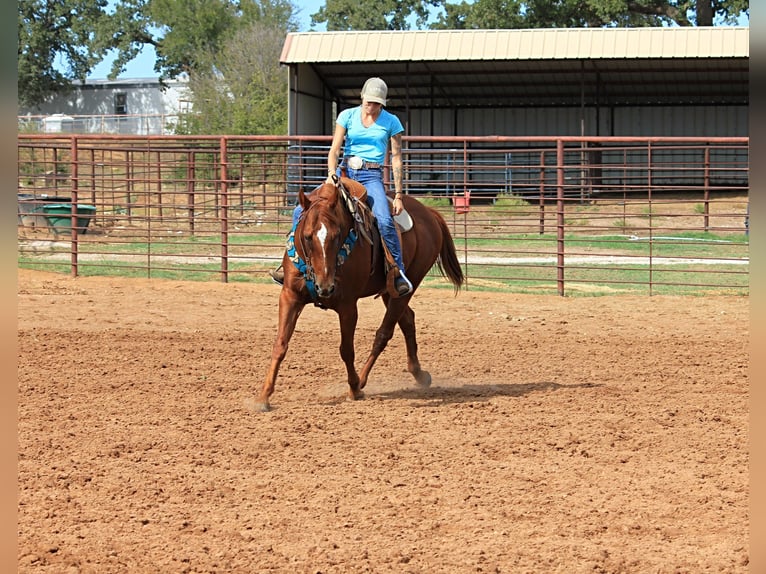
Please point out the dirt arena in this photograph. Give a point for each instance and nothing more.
(560, 435)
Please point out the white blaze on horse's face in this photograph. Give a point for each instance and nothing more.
(322, 237)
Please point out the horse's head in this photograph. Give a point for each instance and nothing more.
(324, 227)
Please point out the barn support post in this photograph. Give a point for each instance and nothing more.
(584, 179)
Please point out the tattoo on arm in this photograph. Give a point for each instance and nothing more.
(398, 178)
(396, 162)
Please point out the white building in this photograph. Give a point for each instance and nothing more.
(128, 106)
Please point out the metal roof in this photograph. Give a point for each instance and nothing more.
(532, 44)
(529, 68)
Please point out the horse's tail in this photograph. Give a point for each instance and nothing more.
(447, 262)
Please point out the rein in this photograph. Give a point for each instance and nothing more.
(304, 267)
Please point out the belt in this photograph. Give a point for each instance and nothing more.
(356, 162)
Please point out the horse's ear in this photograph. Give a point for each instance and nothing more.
(333, 197)
(303, 199)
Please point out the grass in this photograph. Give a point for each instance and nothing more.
(512, 203)
(581, 280)
(432, 201)
(683, 244)
(686, 244)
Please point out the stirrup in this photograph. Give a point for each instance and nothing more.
(402, 285)
(278, 275)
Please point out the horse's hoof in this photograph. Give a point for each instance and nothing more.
(423, 379)
(257, 406)
(356, 396)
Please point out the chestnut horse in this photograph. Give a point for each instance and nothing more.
(336, 267)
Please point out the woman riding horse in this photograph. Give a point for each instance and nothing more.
(329, 264)
(367, 130)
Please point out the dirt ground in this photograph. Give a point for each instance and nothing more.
(561, 435)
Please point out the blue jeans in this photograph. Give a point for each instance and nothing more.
(372, 180)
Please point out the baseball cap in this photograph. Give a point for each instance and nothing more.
(375, 90)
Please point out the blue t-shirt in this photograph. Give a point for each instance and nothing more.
(368, 143)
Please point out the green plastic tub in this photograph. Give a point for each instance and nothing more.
(59, 216)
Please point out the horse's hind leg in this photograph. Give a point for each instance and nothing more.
(406, 322)
(407, 325)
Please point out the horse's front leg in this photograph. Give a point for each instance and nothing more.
(348, 317)
(290, 308)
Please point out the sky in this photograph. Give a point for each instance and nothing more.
(142, 66)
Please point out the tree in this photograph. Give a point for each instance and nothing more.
(373, 14)
(243, 92)
(237, 84)
(77, 34)
(51, 32)
(509, 14)
(125, 31)
(190, 29)
(488, 14)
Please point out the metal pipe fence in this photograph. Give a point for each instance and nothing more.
(563, 215)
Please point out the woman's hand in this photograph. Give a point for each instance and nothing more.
(398, 204)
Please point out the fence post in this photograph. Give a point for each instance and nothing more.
(73, 205)
(224, 217)
(650, 182)
(190, 175)
(542, 192)
(560, 216)
(706, 190)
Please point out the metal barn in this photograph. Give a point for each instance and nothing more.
(547, 82)
(585, 83)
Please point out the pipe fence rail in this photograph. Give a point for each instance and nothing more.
(563, 215)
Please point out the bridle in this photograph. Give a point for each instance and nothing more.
(304, 266)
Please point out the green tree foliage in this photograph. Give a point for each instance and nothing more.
(243, 92)
(509, 14)
(51, 33)
(190, 29)
(123, 33)
(80, 33)
(373, 14)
